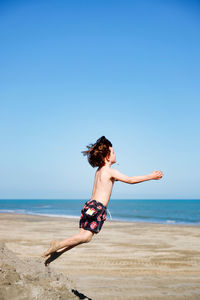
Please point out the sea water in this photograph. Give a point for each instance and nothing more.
(155, 211)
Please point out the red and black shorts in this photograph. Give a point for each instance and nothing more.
(93, 216)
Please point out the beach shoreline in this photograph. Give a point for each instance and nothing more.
(126, 260)
(108, 220)
(142, 211)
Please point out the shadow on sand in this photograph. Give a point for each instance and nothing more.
(80, 295)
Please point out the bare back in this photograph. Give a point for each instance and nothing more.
(103, 184)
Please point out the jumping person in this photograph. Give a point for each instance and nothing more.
(101, 155)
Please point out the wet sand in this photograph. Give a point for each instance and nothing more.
(124, 261)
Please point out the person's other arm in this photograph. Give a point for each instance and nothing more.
(155, 175)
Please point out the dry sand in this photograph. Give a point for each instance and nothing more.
(124, 261)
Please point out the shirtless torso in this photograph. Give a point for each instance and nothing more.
(103, 184)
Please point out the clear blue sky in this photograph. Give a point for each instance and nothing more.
(71, 71)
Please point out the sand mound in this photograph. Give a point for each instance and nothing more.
(23, 279)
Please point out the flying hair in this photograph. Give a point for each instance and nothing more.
(97, 152)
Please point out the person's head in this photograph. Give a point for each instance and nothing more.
(100, 153)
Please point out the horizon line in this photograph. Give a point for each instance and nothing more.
(110, 199)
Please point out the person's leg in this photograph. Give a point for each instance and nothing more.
(84, 236)
(56, 254)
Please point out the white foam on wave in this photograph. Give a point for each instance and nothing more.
(22, 212)
(13, 211)
(171, 221)
(7, 211)
(43, 206)
(53, 215)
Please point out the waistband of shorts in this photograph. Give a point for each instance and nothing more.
(97, 202)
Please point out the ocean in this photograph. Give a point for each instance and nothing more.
(154, 211)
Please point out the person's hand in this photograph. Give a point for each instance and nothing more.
(157, 175)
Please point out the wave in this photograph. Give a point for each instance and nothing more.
(44, 206)
(53, 215)
(171, 221)
(22, 212)
(14, 211)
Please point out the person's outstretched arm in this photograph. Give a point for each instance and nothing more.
(135, 179)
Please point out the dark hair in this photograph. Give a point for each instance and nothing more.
(97, 152)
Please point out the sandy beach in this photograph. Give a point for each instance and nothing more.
(124, 261)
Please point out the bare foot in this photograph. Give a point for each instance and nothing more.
(53, 247)
(52, 257)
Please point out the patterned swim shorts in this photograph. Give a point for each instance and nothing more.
(93, 216)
